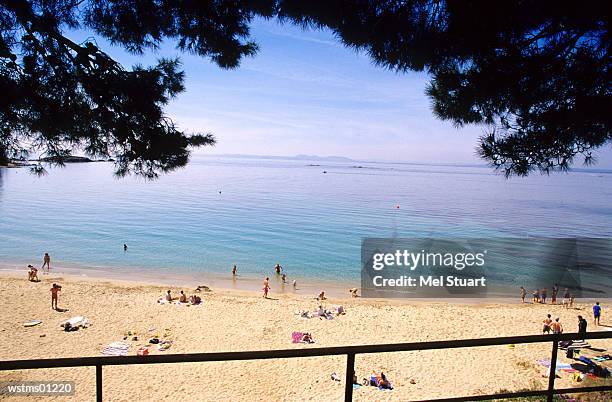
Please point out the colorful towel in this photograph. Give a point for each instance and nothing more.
(558, 365)
(296, 337)
(117, 349)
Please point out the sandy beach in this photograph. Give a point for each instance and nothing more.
(230, 320)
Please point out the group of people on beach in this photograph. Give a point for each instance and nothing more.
(539, 296)
(182, 298)
(279, 271)
(554, 326)
(33, 271)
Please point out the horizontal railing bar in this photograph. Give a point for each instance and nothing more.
(521, 394)
(290, 353)
(518, 394)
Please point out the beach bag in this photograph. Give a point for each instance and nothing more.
(142, 351)
(570, 353)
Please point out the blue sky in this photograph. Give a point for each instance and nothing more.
(304, 93)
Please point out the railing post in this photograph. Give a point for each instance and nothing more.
(98, 382)
(348, 381)
(553, 369)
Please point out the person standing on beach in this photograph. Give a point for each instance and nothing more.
(544, 292)
(234, 270)
(54, 295)
(266, 288)
(596, 312)
(555, 290)
(47, 262)
(546, 325)
(566, 298)
(556, 326)
(582, 326)
(523, 294)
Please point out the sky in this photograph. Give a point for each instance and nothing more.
(304, 93)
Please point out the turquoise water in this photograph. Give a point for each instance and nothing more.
(278, 211)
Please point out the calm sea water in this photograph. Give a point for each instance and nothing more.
(278, 211)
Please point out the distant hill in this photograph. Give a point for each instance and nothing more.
(331, 158)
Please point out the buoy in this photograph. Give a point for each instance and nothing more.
(397, 206)
(325, 171)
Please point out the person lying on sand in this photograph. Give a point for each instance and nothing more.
(33, 274)
(307, 338)
(383, 382)
(183, 297)
(353, 292)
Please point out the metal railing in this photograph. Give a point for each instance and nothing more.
(350, 351)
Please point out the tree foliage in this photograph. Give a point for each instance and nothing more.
(535, 73)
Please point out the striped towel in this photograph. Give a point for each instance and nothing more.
(117, 349)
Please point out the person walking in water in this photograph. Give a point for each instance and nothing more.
(266, 288)
(47, 262)
(523, 294)
(124, 247)
(234, 270)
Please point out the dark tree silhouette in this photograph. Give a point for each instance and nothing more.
(535, 73)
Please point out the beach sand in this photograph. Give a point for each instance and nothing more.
(238, 321)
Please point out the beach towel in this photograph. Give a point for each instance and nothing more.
(296, 337)
(558, 365)
(76, 322)
(586, 360)
(164, 345)
(117, 349)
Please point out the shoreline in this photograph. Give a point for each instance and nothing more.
(142, 276)
(248, 286)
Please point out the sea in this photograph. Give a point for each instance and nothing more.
(310, 216)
